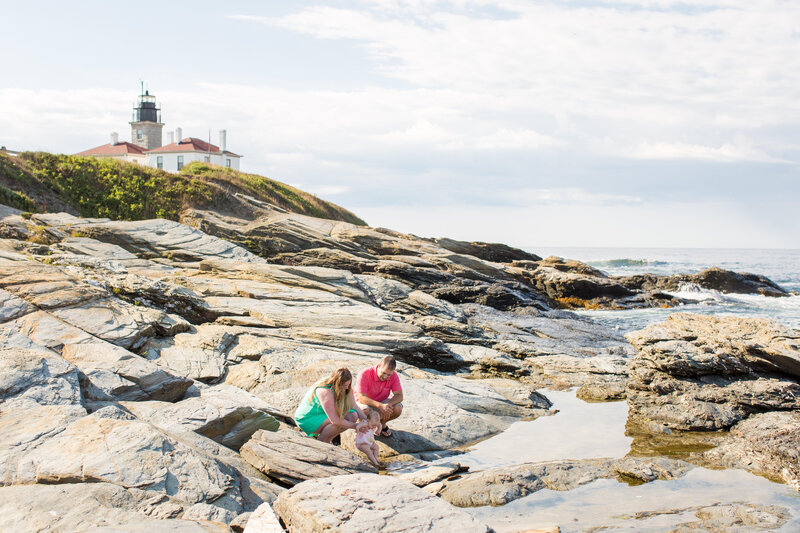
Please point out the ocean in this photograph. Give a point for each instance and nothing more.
(781, 266)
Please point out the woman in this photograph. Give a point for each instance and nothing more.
(329, 407)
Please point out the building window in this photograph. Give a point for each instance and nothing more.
(228, 162)
(138, 135)
(180, 162)
(160, 161)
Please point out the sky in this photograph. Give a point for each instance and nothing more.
(539, 124)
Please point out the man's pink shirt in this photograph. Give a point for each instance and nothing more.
(371, 386)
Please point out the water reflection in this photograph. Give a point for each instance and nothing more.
(579, 431)
(615, 505)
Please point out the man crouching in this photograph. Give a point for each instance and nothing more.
(378, 387)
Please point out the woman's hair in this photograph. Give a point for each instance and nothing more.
(336, 380)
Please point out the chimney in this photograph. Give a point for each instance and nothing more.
(170, 137)
(178, 135)
(114, 138)
(223, 140)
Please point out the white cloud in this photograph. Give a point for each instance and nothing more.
(477, 102)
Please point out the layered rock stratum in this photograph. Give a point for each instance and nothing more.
(149, 370)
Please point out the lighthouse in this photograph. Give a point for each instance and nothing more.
(146, 125)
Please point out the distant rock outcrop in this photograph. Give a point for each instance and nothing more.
(708, 373)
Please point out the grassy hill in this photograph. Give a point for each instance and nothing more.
(90, 187)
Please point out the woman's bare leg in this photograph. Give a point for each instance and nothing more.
(328, 431)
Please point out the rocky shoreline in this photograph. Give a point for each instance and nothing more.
(150, 368)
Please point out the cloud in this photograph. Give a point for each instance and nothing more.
(475, 103)
(728, 152)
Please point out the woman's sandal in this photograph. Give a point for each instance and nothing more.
(386, 432)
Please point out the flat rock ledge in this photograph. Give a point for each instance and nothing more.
(695, 372)
(368, 503)
(290, 458)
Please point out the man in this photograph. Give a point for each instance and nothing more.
(378, 387)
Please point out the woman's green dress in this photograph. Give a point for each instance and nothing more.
(310, 415)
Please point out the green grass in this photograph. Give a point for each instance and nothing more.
(119, 190)
(275, 192)
(16, 200)
(114, 189)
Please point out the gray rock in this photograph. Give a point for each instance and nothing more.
(87, 507)
(767, 444)
(125, 452)
(149, 238)
(112, 372)
(290, 457)
(728, 517)
(364, 502)
(263, 520)
(12, 307)
(498, 486)
(432, 473)
(38, 377)
(223, 413)
(708, 373)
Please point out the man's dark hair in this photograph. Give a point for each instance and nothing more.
(389, 362)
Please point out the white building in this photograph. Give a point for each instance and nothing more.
(123, 151)
(176, 155)
(145, 146)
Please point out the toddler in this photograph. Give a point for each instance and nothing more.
(365, 436)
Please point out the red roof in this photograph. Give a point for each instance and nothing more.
(115, 149)
(191, 144)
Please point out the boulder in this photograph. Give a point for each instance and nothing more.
(200, 353)
(364, 502)
(708, 373)
(111, 372)
(289, 457)
(226, 414)
(263, 520)
(111, 446)
(767, 444)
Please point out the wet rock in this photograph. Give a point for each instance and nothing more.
(716, 279)
(708, 373)
(498, 486)
(289, 457)
(726, 517)
(603, 390)
(767, 444)
(430, 474)
(646, 469)
(363, 502)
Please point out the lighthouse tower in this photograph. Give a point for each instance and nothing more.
(146, 125)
